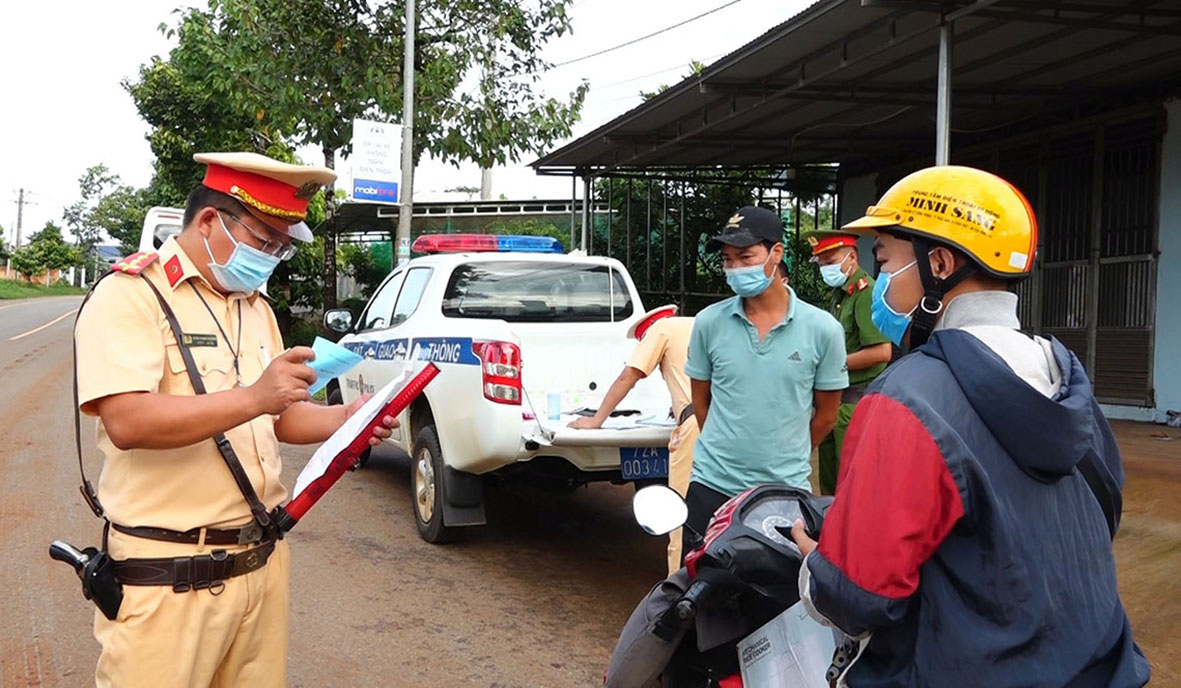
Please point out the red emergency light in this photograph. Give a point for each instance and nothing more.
(485, 243)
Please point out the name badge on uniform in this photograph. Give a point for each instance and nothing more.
(191, 340)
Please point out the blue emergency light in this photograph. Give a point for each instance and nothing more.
(486, 243)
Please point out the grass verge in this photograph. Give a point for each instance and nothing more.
(14, 289)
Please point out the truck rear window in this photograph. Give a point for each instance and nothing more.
(537, 292)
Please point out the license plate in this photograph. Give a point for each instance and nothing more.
(643, 463)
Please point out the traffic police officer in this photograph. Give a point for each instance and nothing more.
(663, 343)
(215, 611)
(868, 350)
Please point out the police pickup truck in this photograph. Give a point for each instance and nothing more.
(526, 337)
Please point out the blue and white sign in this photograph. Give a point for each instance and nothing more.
(375, 165)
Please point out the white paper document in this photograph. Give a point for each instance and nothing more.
(790, 651)
(352, 427)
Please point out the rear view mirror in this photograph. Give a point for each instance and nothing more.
(659, 509)
(339, 320)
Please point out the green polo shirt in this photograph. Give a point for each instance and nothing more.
(758, 426)
(852, 305)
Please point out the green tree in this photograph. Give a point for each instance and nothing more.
(46, 250)
(121, 214)
(304, 69)
(106, 204)
(5, 250)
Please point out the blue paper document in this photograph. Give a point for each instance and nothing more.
(332, 360)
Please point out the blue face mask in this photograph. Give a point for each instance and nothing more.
(889, 321)
(833, 275)
(247, 268)
(749, 281)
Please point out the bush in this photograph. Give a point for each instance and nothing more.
(303, 332)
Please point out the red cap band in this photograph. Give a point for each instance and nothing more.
(264, 194)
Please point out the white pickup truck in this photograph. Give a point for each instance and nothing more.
(525, 337)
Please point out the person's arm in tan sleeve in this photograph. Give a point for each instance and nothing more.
(148, 420)
(120, 365)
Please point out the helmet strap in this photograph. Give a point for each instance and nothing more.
(930, 307)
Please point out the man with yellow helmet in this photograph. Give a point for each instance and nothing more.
(970, 538)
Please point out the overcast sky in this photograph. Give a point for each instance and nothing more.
(63, 108)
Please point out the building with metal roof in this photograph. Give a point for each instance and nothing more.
(1074, 101)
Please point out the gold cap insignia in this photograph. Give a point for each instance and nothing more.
(734, 221)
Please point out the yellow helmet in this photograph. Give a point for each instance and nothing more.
(975, 211)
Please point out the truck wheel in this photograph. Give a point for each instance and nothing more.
(426, 487)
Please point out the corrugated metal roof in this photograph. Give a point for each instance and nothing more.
(853, 82)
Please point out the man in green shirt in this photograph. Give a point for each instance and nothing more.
(868, 350)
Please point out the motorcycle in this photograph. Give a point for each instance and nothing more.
(739, 576)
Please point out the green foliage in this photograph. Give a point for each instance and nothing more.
(91, 186)
(304, 69)
(531, 227)
(367, 264)
(654, 254)
(121, 213)
(188, 117)
(268, 75)
(5, 249)
(301, 332)
(46, 250)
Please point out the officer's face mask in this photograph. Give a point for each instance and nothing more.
(834, 275)
(247, 268)
(749, 281)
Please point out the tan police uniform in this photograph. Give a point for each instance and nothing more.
(665, 344)
(125, 345)
(234, 632)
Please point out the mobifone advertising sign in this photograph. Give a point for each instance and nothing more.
(375, 164)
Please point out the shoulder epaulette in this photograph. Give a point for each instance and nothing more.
(862, 284)
(135, 263)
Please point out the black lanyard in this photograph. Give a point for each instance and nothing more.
(233, 350)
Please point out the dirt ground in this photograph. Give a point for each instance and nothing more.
(1148, 545)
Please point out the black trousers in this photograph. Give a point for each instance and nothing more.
(702, 502)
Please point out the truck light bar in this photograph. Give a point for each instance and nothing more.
(485, 243)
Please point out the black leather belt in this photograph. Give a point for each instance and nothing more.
(853, 393)
(192, 573)
(246, 535)
(686, 413)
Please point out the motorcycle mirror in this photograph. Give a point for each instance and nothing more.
(659, 509)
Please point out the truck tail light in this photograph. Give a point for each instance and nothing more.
(500, 364)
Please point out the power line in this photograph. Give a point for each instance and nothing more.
(644, 38)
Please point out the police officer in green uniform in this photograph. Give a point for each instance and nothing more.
(867, 350)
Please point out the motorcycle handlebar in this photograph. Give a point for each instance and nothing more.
(691, 600)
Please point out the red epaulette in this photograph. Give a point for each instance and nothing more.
(135, 263)
(862, 284)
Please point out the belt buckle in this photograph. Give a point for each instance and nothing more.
(250, 534)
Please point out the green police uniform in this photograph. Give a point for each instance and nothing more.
(851, 305)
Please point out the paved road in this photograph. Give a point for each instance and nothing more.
(535, 599)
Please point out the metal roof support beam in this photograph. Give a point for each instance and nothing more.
(586, 211)
(943, 97)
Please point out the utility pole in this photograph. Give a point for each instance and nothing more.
(406, 192)
(20, 214)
